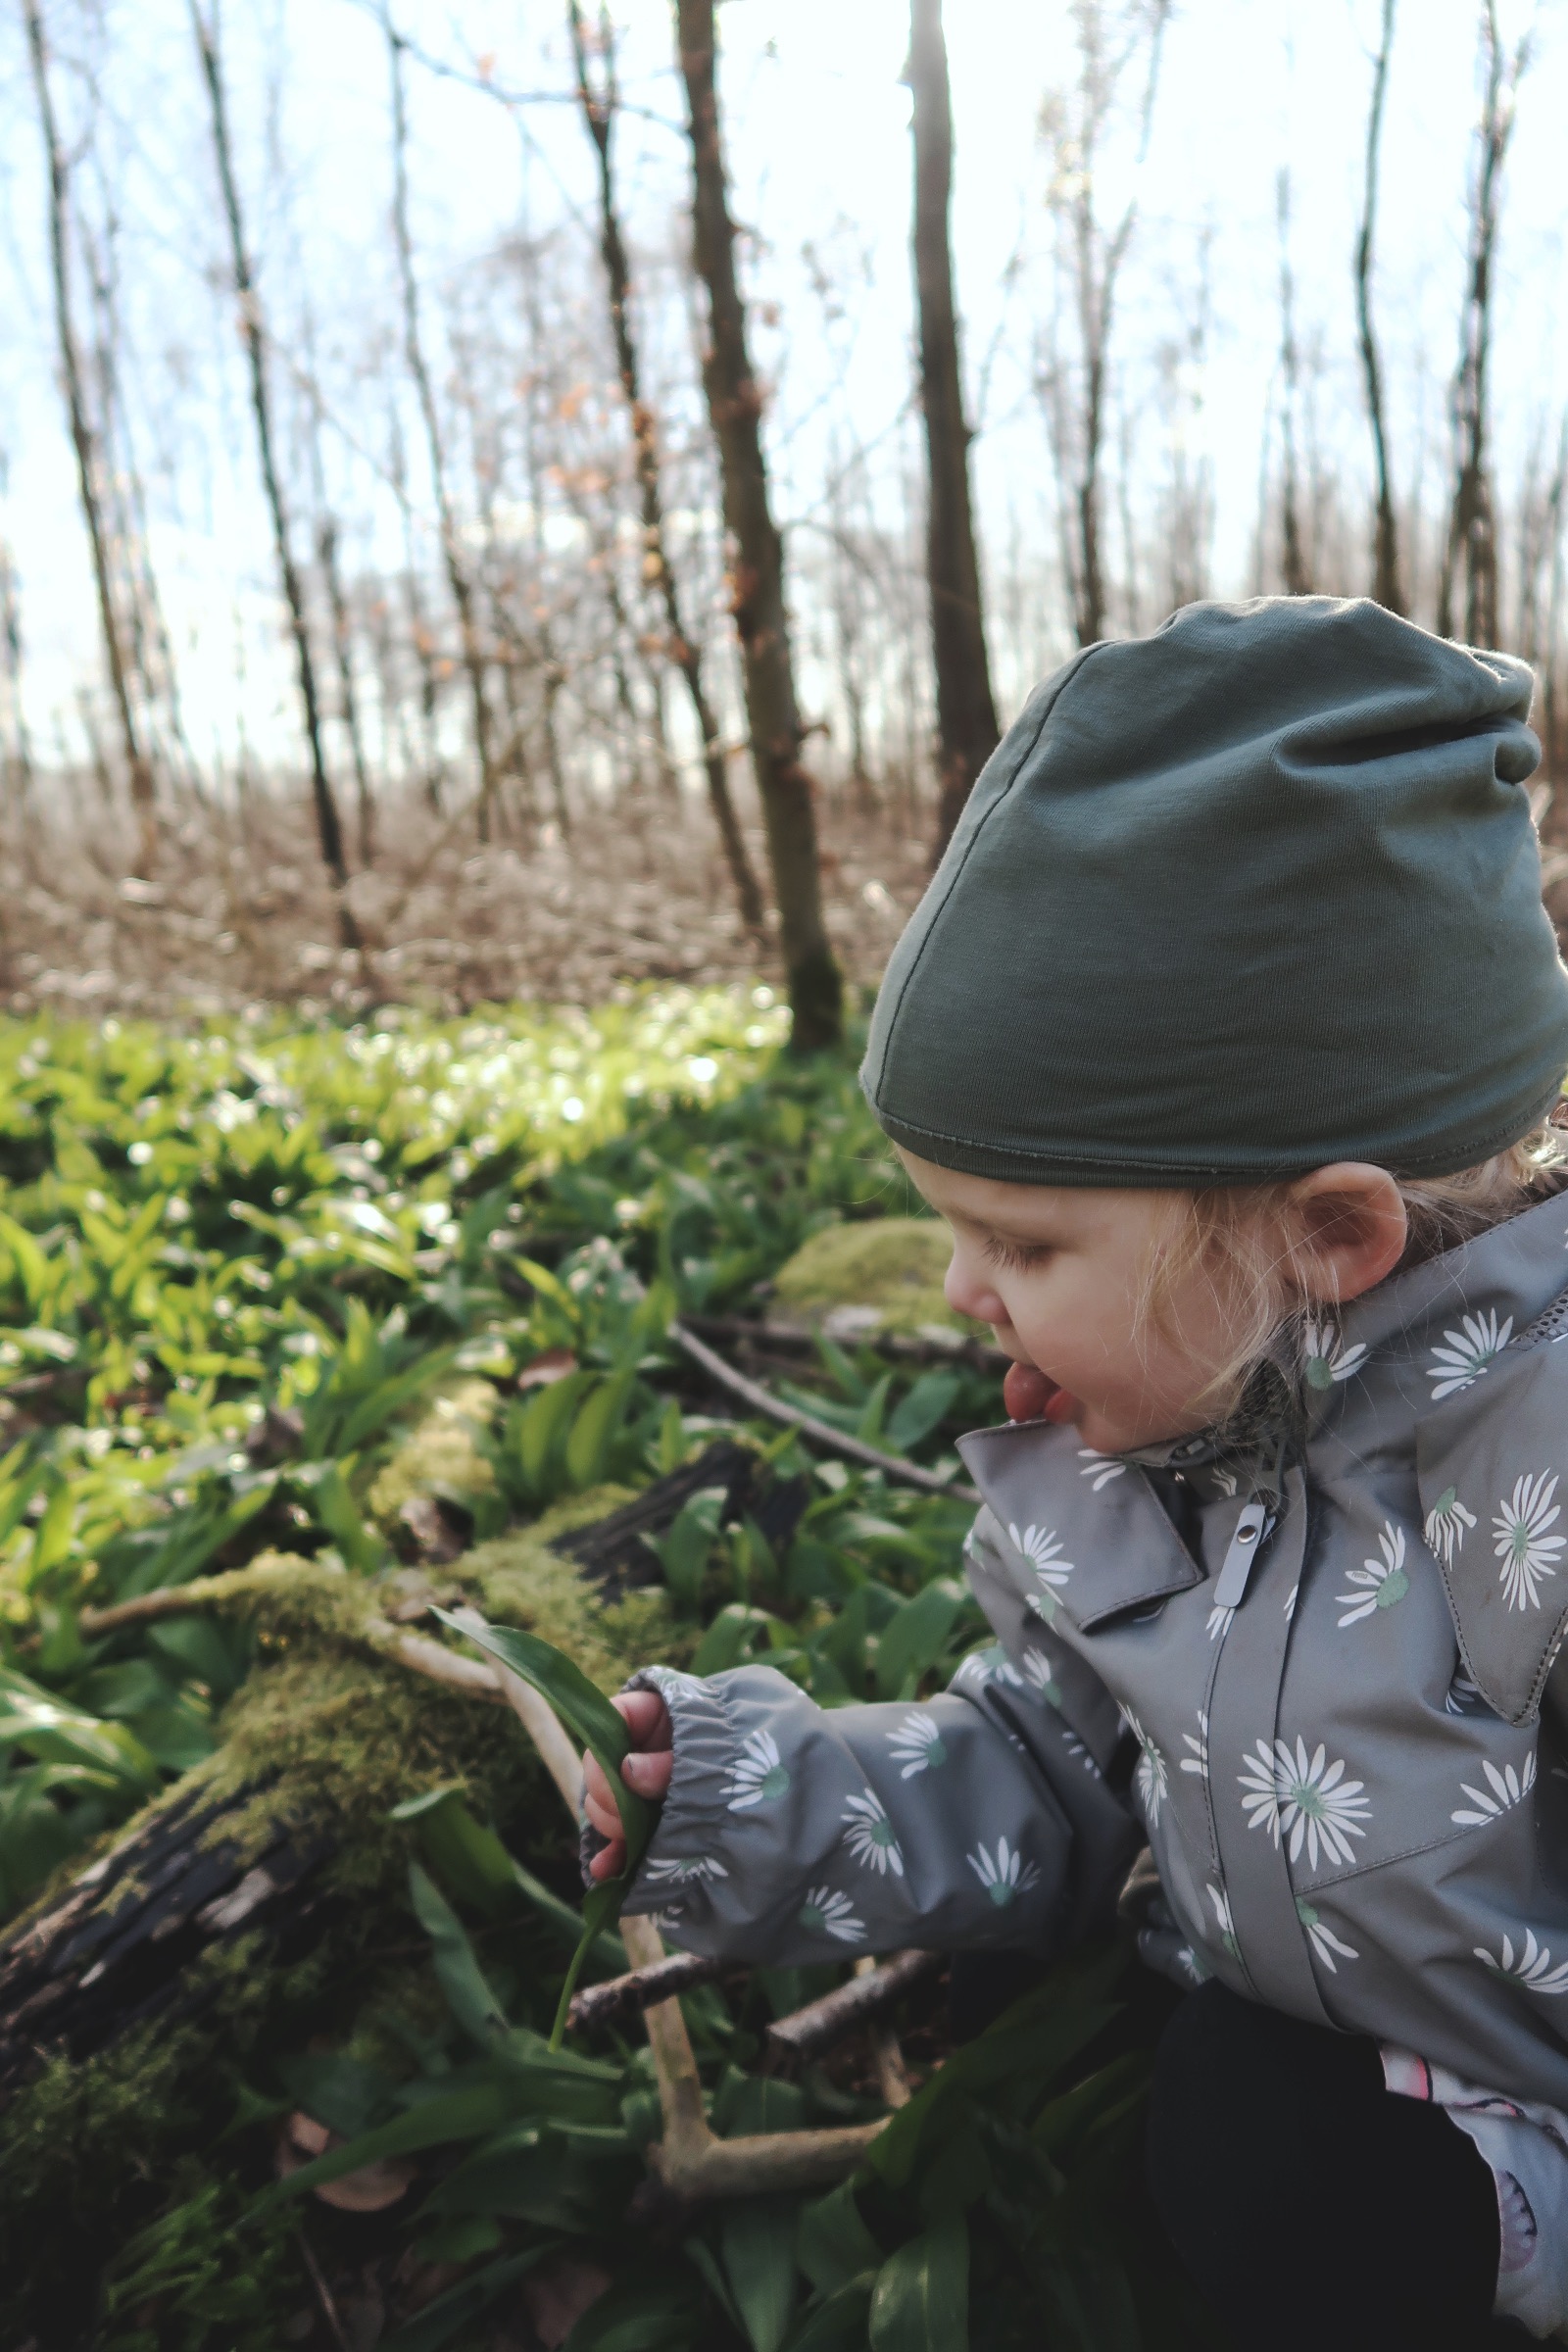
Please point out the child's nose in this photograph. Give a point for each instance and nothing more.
(967, 1292)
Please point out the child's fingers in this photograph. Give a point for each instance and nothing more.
(610, 1861)
(647, 1718)
(602, 1815)
(648, 1775)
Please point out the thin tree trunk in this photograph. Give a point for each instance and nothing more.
(1297, 573)
(348, 697)
(966, 713)
(138, 768)
(19, 749)
(734, 407)
(457, 579)
(1472, 531)
(1385, 583)
(329, 831)
(683, 649)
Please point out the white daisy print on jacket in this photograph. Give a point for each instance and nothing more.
(1219, 1622)
(1446, 1524)
(759, 1775)
(917, 1745)
(1042, 1549)
(1326, 1360)
(1004, 1874)
(1533, 1967)
(678, 1869)
(1099, 1468)
(1227, 1925)
(1040, 1676)
(1149, 1779)
(1381, 1583)
(871, 1838)
(1322, 1939)
(1306, 1799)
(1470, 1353)
(826, 1913)
(1508, 1788)
(1529, 1554)
(1198, 1761)
(1462, 1694)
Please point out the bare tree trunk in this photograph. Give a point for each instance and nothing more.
(19, 765)
(1386, 584)
(966, 713)
(457, 579)
(348, 697)
(734, 407)
(329, 831)
(1298, 571)
(1472, 531)
(137, 765)
(1097, 262)
(683, 649)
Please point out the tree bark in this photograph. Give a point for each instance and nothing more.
(1472, 530)
(457, 579)
(83, 442)
(329, 830)
(966, 713)
(735, 408)
(1387, 587)
(681, 647)
(348, 697)
(1298, 571)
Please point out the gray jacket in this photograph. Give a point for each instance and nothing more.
(1335, 1721)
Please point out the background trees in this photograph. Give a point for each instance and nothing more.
(423, 464)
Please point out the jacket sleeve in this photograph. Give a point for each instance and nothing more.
(793, 1833)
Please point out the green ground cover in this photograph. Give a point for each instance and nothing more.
(262, 1291)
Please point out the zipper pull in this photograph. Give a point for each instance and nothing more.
(1251, 1533)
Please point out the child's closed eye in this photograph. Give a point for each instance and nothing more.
(1016, 1257)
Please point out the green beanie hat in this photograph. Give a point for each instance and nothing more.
(1256, 893)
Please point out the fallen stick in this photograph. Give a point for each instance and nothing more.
(807, 2033)
(624, 1996)
(833, 1440)
(792, 1339)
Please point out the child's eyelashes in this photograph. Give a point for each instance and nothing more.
(1016, 1257)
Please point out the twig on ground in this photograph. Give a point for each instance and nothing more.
(832, 1441)
(808, 2033)
(906, 1347)
(623, 1997)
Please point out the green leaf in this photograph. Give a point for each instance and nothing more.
(920, 2302)
(914, 1639)
(590, 1719)
(464, 2114)
(833, 2244)
(839, 2324)
(440, 2320)
(540, 1428)
(461, 1978)
(923, 1409)
(757, 2238)
(684, 1552)
(638, 2318)
(593, 1433)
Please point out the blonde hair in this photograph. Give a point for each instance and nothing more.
(1236, 1236)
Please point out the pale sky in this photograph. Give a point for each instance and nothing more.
(818, 147)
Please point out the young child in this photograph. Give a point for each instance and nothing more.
(1224, 1040)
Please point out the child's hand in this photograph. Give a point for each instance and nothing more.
(646, 1773)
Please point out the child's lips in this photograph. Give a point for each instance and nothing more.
(1029, 1394)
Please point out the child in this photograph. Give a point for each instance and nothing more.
(1224, 1040)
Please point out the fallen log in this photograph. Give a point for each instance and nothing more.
(619, 1998)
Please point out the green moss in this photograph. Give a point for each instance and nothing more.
(439, 1456)
(517, 1579)
(892, 1268)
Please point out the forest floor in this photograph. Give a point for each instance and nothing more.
(238, 910)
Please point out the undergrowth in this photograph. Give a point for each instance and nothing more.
(267, 1295)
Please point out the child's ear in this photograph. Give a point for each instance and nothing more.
(1347, 1229)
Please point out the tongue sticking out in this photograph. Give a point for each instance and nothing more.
(1030, 1397)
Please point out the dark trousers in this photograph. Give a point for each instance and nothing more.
(1314, 2208)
